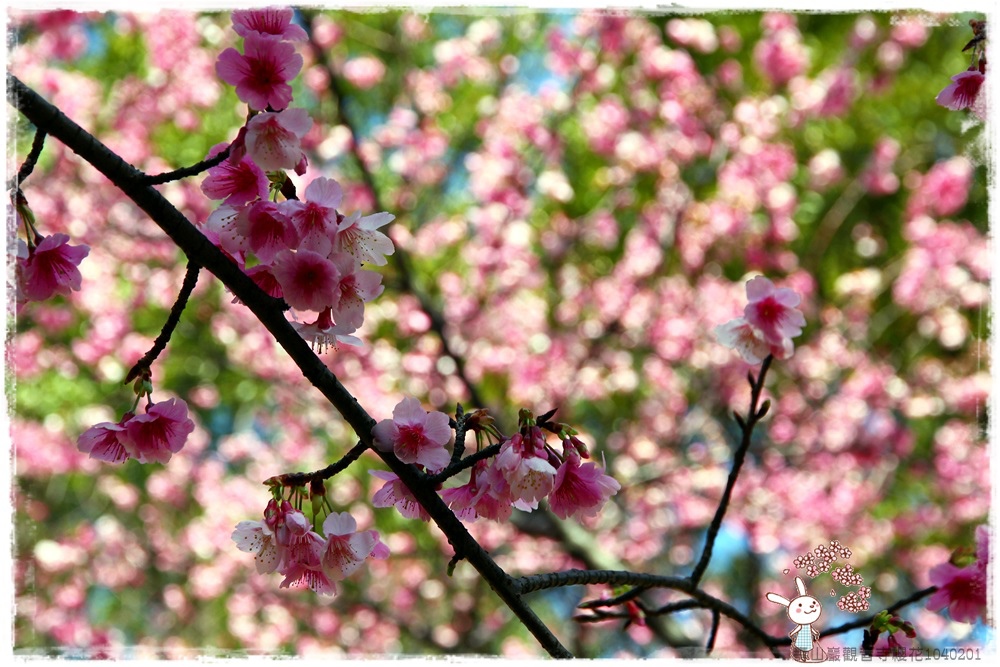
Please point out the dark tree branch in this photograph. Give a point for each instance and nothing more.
(190, 280)
(713, 632)
(269, 311)
(304, 478)
(29, 162)
(753, 416)
(184, 172)
(867, 620)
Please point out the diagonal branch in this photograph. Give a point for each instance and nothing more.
(269, 311)
(29, 162)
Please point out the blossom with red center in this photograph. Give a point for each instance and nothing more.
(315, 217)
(580, 490)
(267, 230)
(262, 73)
(394, 492)
(415, 435)
(274, 140)
(961, 589)
(359, 237)
(159, 433)
(104, 441)
(772, 311)
(746, 339)
(302, 563)
(275, 21)
(345, 548)
(236, 183)
(50, 268)
(963, 91)
(357, 286)
(308, 280)
(263, 277)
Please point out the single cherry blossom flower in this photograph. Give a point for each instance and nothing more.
(961, 589)
(325, 333)
(359, 237)
(268, 21)
(772, 311)
(309, 281)
(235, 183)
(267, 230)
(302, 565)
(415, 435)
(50, 268)
(316, 216)
(159, 433)
(525, 465)
(261, 75)
(104, 441)
(260, 538)
(274, 140)
(220, 229)
(743, 337)
(963, 91)
(580, 490)
(357, 287)
(394, 492)
(263, 276)
(345, 548)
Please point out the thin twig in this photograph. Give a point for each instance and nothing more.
(190, 280)
(866, 621)
(304, 478)
(184, 172)
(29, 162)
(753, 416)
(465, 463)
(710, 644)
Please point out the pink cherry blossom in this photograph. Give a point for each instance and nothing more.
(267, 230)
(346, 549)
(364, 72)
(263, 276)
(525, 465)
(357, 286)
(961, 589)
(104, 441)
(580, 490)
(50, 268)
(394, 492)
(415, 435)
(309, 281)
(963, 91)
(740, 335)
(772, 311)
(261, 75)
(316, 217)
(358, 237)
(325, 333)
(159, 433)
(261, 537)
(237, 184)
(267, 21)
(274, 140)
(302, 565)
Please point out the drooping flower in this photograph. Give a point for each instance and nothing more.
(236, 183)
(415, 435)
(963, 91)
(395, 493)
(302, 564)
(309, 281)
(357, 287)
(315, 217)
(275, 21)
(346, 549)
(260, 537)
(580, 490)
(325, 333)
(158, 434)
(104, 441)
(274, 140)
(262, 73)
(267, 230)
(50, 268)
(525, 465)
(358, 236)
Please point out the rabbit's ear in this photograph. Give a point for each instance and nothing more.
(774, 597)
(800, 585)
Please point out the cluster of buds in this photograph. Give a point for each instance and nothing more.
(151, 437)
(894, 627)
(526, 469)
(306, 252)
(286, 542)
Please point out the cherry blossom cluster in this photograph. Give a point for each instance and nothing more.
(855, 601)
(770, 321)
(285, 542)
(964, 90)
(151, 437)
(44, 265)
(306, 252)
(963, 589)
(525, 470)
(847, 576)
